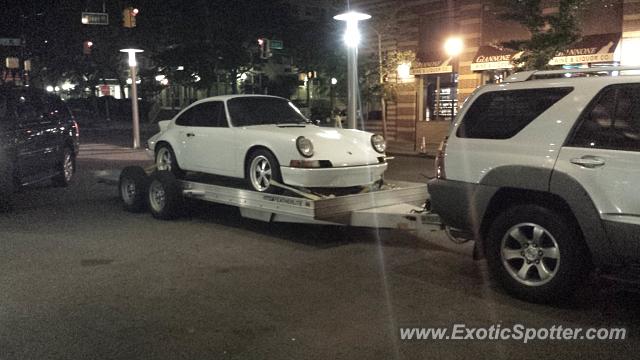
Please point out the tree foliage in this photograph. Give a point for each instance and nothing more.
(550, 33)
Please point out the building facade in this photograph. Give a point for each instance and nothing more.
(430, 93)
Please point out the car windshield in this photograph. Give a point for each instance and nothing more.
(260, 110)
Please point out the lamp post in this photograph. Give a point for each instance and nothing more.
(453, 47)
(134, 95)
(351, 39)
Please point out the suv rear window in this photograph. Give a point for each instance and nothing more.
(503, 114)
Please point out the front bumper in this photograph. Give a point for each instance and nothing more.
(333, 177)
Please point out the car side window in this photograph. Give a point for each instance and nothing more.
(186, 118)
(56, 109)
(210, 114)
(29, 109)
(612, 121)
(503, 114)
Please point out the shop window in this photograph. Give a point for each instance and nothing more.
(440, 97)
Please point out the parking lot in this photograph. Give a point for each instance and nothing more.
(82, 279)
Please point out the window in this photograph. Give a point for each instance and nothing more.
(262, 110)
(29, 107)
(208, 114)
(503, 114)
(56, 109)
(612, 121)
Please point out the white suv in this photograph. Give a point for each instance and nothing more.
(543, 171)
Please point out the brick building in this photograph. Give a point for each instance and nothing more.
(430, 92)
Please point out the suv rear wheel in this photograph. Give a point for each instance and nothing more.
(536, 254)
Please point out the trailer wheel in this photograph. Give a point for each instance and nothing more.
(165, 196)
(133, 187)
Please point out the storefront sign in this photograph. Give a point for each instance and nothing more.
(431, 67)
(491, 58)
(431, 70)
(589, 49)
(581, 59)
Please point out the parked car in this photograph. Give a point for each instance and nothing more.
(543, 172)
(38, 140)
(262, 138)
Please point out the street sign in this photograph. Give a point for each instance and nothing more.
(91, 18)
(276, 44)
(10, 42)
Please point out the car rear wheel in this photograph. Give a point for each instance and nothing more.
(263, 167)
(66, 169)
(537, 254)
(166, 161)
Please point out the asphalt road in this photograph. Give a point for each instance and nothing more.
(82, 279)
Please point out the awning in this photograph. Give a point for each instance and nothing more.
(431, 67)
(589, 49)
(491, 57)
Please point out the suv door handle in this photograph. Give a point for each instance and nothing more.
(191, 134)
(590, 162)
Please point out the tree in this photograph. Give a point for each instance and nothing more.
(385, 24)
(550, 33)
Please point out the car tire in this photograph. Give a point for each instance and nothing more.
(133, 187)
(166, 161)
(262, 166)
(66, 169)
(164, 196)
(537, 254)
(7, 187)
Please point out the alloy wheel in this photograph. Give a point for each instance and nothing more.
(260, 173)
(530, 254)
(164, 159)
(68, 167)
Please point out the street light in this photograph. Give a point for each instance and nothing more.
(134, 95)
(351, 39)
(453, 47)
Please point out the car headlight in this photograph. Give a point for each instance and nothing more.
(305, 146)
(378, 143)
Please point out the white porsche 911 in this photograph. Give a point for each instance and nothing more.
(262, 138)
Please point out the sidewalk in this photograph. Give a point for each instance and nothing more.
(406, 148)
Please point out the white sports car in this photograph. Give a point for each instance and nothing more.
(262, 138)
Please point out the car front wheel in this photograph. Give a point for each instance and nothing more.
(263, 167)
(537, 254)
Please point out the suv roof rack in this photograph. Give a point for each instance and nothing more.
(533, 74)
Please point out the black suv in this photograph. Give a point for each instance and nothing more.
(38, 140)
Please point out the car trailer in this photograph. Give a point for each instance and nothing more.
(396, 205)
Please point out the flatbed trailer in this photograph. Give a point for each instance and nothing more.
(396, 205)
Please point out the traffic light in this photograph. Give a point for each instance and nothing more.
(129, 17)
(86, 47)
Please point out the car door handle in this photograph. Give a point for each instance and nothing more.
(191, 134)
(588, 161)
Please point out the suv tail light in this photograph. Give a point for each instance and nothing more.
(440, 173)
